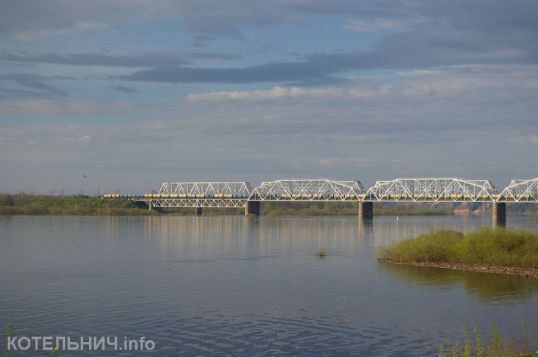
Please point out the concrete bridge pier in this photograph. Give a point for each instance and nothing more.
(253, 208)
(198, 211)
(151, 207)
(366, 210)
(499, 214)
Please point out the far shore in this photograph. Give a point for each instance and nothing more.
(83, 205)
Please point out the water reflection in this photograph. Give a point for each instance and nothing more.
(243, 236)
(485, 286)
(365, 227)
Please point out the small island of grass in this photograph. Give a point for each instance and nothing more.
(507, 251)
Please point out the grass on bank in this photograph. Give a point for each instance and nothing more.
(487, 247)
(494, 345)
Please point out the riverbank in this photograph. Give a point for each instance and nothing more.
(23, 204)
(526, 272)
(503, 251)
(30, 204)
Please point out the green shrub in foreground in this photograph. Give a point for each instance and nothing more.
(487, 246)
(493, 345)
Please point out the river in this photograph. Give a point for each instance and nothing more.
(247, 286)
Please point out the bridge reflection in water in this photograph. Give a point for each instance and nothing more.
(411, 190)
(272, 237)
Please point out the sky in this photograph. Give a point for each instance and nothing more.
(120, 95)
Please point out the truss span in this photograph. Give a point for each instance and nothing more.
(198, 202)
(308, 190)
(521, 191)
(432, 190)
(208, 190)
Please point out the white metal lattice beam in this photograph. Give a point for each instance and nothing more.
(432, 190)
(308, 190)
(521, 191)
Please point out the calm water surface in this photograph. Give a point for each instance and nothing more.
(244, 286)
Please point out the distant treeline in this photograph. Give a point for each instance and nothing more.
(32, 204)
(24, 204)
(348, 209)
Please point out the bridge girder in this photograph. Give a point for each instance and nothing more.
(520, 191)
(432, 190)
(308, 190)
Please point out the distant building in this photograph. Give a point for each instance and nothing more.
(462, 210)
(479, 211)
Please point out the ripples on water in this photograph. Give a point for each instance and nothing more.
(246, 286)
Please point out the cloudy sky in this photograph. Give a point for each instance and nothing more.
(131, 93)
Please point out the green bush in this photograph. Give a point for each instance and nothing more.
(487, 246)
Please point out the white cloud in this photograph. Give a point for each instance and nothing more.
(67, 108)
(84, 139)
(345, 161)
(63, 140)
(29, 34)
(359, 25)
(458, 84)
(292, 92)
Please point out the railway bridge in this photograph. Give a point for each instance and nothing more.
(420, 190)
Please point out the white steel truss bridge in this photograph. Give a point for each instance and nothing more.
(241, 194)
(432, 190)
(308, 190)
(236, 194)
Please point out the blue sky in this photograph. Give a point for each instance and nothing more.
(132, 93)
